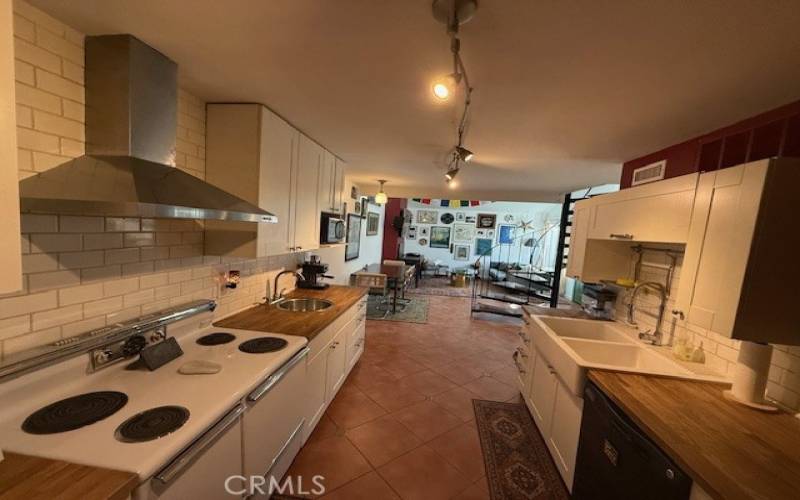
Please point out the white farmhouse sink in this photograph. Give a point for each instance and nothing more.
(572, 346)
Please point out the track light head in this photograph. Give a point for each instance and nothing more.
(464, 154)
(451, 174)
(446, 86)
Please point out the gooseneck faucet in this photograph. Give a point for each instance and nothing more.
(277, 297)
(656, 338)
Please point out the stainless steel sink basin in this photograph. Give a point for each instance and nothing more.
(305, 305)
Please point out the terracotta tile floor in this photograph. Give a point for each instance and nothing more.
(402, 425)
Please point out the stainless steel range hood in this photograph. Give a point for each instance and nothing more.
(131, 119)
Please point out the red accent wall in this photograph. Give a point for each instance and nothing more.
(774, 133)
(391, 240)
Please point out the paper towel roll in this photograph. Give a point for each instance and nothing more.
(751, 372)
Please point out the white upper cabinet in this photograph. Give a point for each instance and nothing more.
(256, 155)
(741, 268)
(656, 212)
(338, 187)
(306, 200)
(10, 255)
(331, 183)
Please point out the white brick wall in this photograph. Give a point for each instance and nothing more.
(721, 352)
(82, 273)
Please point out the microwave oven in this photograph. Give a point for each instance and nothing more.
(331, 228)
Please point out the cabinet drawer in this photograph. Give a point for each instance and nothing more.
(323, 338)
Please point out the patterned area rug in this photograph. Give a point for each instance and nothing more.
(439, 285)
(518, 465)
(415, 311)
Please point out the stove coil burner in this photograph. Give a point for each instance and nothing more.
(152, 424)
(217, 338)
(75, 412)
(262, 345)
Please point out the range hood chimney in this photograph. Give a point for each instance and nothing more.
(128, 169)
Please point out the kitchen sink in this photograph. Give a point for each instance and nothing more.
(624, 357)
(305, 305)
(592, 330)
(570, 347)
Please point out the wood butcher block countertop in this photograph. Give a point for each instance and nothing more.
(307, 324)
(731, 451)
(34, 478)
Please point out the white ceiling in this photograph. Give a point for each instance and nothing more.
(564, 91)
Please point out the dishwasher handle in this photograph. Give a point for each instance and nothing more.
(171, 471)
(273, 379)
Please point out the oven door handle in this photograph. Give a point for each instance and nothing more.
(168, 473)
(273, 379)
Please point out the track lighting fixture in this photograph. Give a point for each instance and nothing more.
(380, 197)
(451, 173)
(463, 153)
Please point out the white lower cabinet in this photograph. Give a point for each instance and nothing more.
(557, 414)
(316, 369)
(337, 362)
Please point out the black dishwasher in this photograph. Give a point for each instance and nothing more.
(617, 461)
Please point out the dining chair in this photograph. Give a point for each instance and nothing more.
(403, 280)
(378, 285)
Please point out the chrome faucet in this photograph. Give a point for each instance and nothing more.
(655, 338)
(277, 297)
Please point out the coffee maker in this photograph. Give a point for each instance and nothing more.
(313, 271)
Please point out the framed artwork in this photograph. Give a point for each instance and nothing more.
(411, 232)
(364, 206)
(447, 218)
(353, 192)
(470, 219)
(508, 218)
(422, 242)
(483, 246)
(487, 221)
(353, 237)
(505, 234)
(461, 252)
(424, 231)
(357, 207)
(461, 217)
(480, 233)
(440, 237)
(373, 219)
(463, 233)
(427, 216)
(490, 233)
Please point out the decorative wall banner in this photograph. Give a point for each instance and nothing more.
(450, 203)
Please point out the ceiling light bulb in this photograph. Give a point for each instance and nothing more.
(464, 154)
(451, 174)
(381, 197)
(445, 86)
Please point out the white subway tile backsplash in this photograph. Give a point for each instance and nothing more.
(59, 45)
(36, 56)
(155, 253)
(53, 279)
(122, 256)
(138, 298)
(102, 241)
(154, 280)
(57, 317)
(102, 307)
(55, 242)
(179, 276)
(38, 99)
(139, 239)
(80, 260)
(137, 268)
(120, 287)
(124, 314)
(11, 327)
(30, 340)
(86, 325)
(80, 294)
(56, 125)
(39, 262)
(121, 224)
(76, 224)
(58, 85)
(101, 273)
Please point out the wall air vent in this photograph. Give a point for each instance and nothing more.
(649, 173)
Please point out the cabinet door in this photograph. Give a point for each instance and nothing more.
(564, 432)
(316, 370)
(337, 360)
(327, 174)
(10, 254)
(723, 222)
(355, 342)
(279, 143)
(577, 238)
(543, 394)
(338, 187)
(306, 201)
(657, 212)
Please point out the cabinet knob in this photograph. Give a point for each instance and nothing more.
(625, 236)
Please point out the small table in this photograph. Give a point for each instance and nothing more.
(394, 276)
(461, 277)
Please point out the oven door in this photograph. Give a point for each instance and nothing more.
(273, 423)
(202, 469)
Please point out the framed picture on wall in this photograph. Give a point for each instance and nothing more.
(364, 206)
(463, 233)
(505, 234)
(483, 246)
(440, 237)
(461, 217)
(461, 252)
(427, 216)
(470, 219)
(424, 231)
(411, 232)
(487, 221)
(353, 237)
(373, 219)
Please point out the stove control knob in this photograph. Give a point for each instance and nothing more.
(133, 345)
